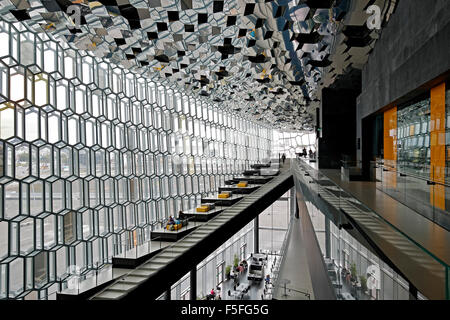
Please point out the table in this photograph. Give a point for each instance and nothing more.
(237, 295)
(268, 296)
(347, 296)
(243, 287)
(284, 282)
(240, 291)
(260, 257)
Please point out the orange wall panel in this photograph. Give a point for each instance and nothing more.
(437, 135)
(390, 145)
(390, 134)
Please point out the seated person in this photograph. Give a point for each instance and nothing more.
(213, 293)
(268, 278)
(180, 215)
(171, 221)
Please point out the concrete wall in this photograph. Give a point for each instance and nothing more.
(413, 50)
(338, 127)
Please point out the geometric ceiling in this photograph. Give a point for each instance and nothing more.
(261, 58)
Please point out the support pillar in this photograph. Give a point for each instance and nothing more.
(327, 238)
(256, 234)
(193, 285)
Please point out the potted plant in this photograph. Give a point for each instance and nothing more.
(363, 281)
(236, 261)
(353, 272)
(227, 272)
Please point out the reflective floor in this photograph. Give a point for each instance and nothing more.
(429, 235)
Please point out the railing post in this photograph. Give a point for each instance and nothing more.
(193, 284)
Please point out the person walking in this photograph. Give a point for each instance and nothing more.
(283, 157)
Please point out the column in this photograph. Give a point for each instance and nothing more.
(390, 147)
(438, 147)
(193, 284)
(256, 234)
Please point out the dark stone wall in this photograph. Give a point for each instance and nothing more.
(412, 55)
(413, 49)
(338, 127)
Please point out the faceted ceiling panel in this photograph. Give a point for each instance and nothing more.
(261, 58)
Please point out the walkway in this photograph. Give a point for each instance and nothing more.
(424, 271)
(295, 268)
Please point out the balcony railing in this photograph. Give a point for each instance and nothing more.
(428, 273)
(424, 190)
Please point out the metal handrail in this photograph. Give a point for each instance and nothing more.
(276, 272)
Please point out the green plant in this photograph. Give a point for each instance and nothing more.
(236, 261)
(353, 271)
(228, 270)
(363, 281)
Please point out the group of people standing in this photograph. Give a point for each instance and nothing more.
(310, 153)
(213, 295)
(304, 153)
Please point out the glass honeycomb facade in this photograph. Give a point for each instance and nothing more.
(292, 143)
(94, 154)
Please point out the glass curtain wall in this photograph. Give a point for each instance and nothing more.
(413, 138)
(346, 253)
(211, 271)
(274, 223)
(94, 154)
(291, 143)
(417, 154)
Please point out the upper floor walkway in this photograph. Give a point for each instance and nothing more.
(415, 246)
